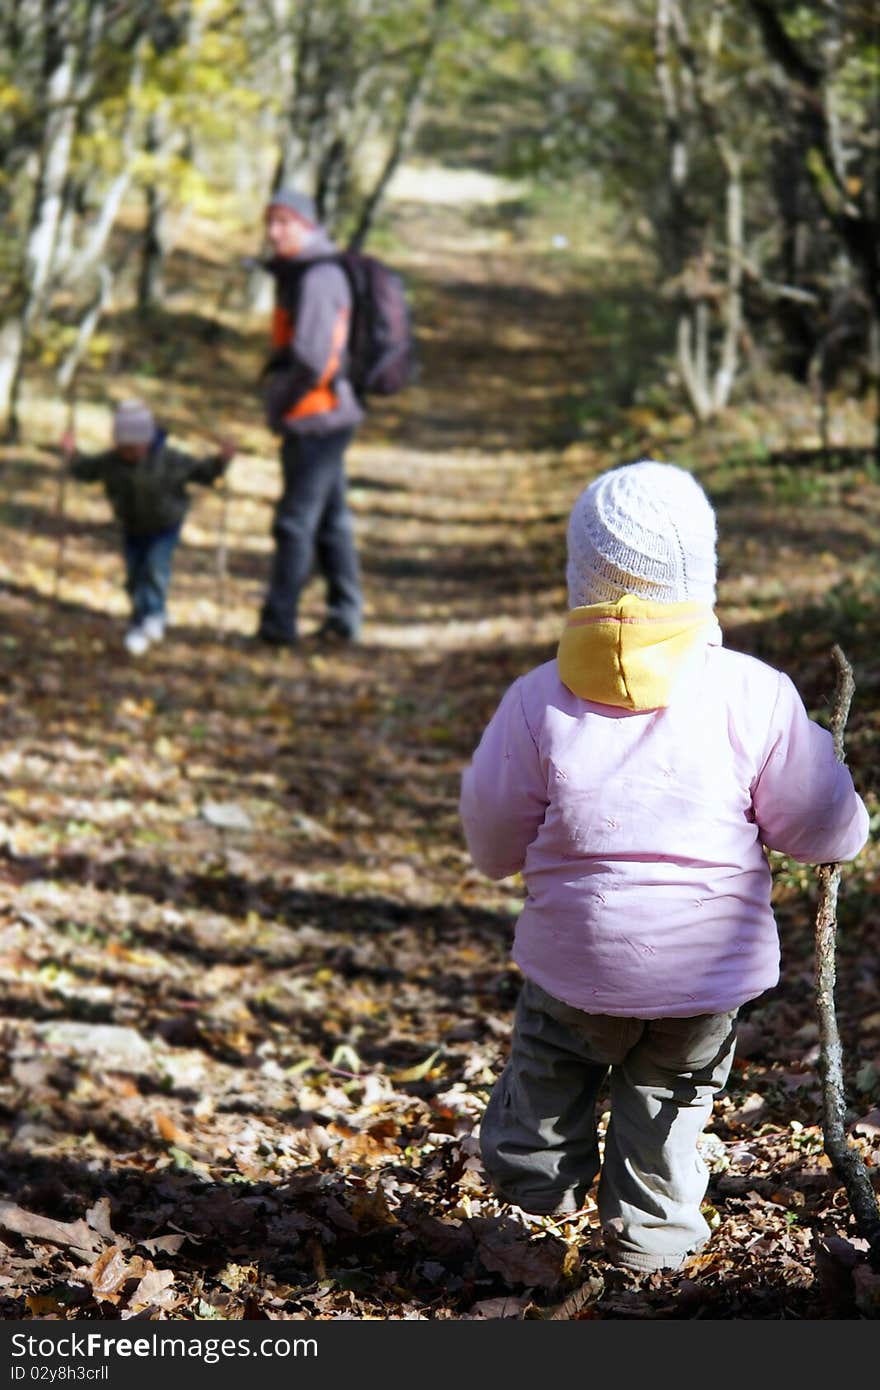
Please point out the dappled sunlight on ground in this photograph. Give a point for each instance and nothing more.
(247, 863)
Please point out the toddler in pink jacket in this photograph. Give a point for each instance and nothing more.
(636, 781)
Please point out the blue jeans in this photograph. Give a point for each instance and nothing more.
(313, 524)
(148, 561)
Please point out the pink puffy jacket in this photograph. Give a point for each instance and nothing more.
(640, 832)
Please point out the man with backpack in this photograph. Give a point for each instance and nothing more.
(312, 405)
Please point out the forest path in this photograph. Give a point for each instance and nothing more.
(254, 993)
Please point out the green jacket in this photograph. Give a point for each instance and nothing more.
(152, 494)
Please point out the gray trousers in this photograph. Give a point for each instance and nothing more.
(538, 1135)
(313, 524)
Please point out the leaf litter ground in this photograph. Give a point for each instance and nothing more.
(254, 996)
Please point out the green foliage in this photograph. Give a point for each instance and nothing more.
(571, 89)
(203, 104)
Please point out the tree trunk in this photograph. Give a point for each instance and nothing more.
(70, 32)
(874, 368)
(89, 322)
(86, 258)
(852, 213)
(289, 45)
(708, 391)
(675, 227)
(733, 316)
(11, 350)
(51, 180)
(693, 358)
(151, 289)
(38, 257)
(404, 131)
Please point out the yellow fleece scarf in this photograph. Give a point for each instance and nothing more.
(630, 653)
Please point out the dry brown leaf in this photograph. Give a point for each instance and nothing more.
(536, 1263)
(76, 1234)
(314, 1248)
(750, 1112)
(165, 1245)
(169, 1131)
(233, 1276)
(111, 1271)
(363, 1148)
(384, 1129)
(341, 1131)
(123, 1086)
(41, 1305)
(588, 1292)
(98, 1217)
(507, 1307)
(154, 1288)
(420, 1070)
(370, 1209)
(869, 1124)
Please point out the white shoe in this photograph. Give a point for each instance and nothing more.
(153, 627)
(136, 641)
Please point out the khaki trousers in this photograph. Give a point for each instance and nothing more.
(538, 1135)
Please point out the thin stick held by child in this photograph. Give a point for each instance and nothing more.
(635, 780)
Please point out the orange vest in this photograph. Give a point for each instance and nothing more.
(322, 397)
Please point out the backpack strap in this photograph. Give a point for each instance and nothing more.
(292, 273)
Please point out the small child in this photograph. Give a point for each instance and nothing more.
(146, 482)
(635, 780)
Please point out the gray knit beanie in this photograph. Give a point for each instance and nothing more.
(646, 529)
(133, 423)
(300, 203)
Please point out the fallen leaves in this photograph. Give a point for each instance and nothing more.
(154, 1290)
(169, 1131)
(76, 1234)
(748, 1112)
(110, 1273)
(227, 815)
(421, 1070)
(868, 1125)
(362, 1148)
(256, 993)
(133, 1283)
(543, 1263)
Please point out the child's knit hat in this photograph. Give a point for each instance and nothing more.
(646, 529)
(133, 423)
(297, 202)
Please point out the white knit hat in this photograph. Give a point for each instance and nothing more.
(133, 423)
(646, 529)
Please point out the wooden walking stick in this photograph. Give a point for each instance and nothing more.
(222, 567)
(64, 472)
(845, 1159)
(227, 450)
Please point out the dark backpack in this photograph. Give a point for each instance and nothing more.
(381, 349)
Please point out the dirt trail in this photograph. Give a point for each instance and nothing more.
(253, 992)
